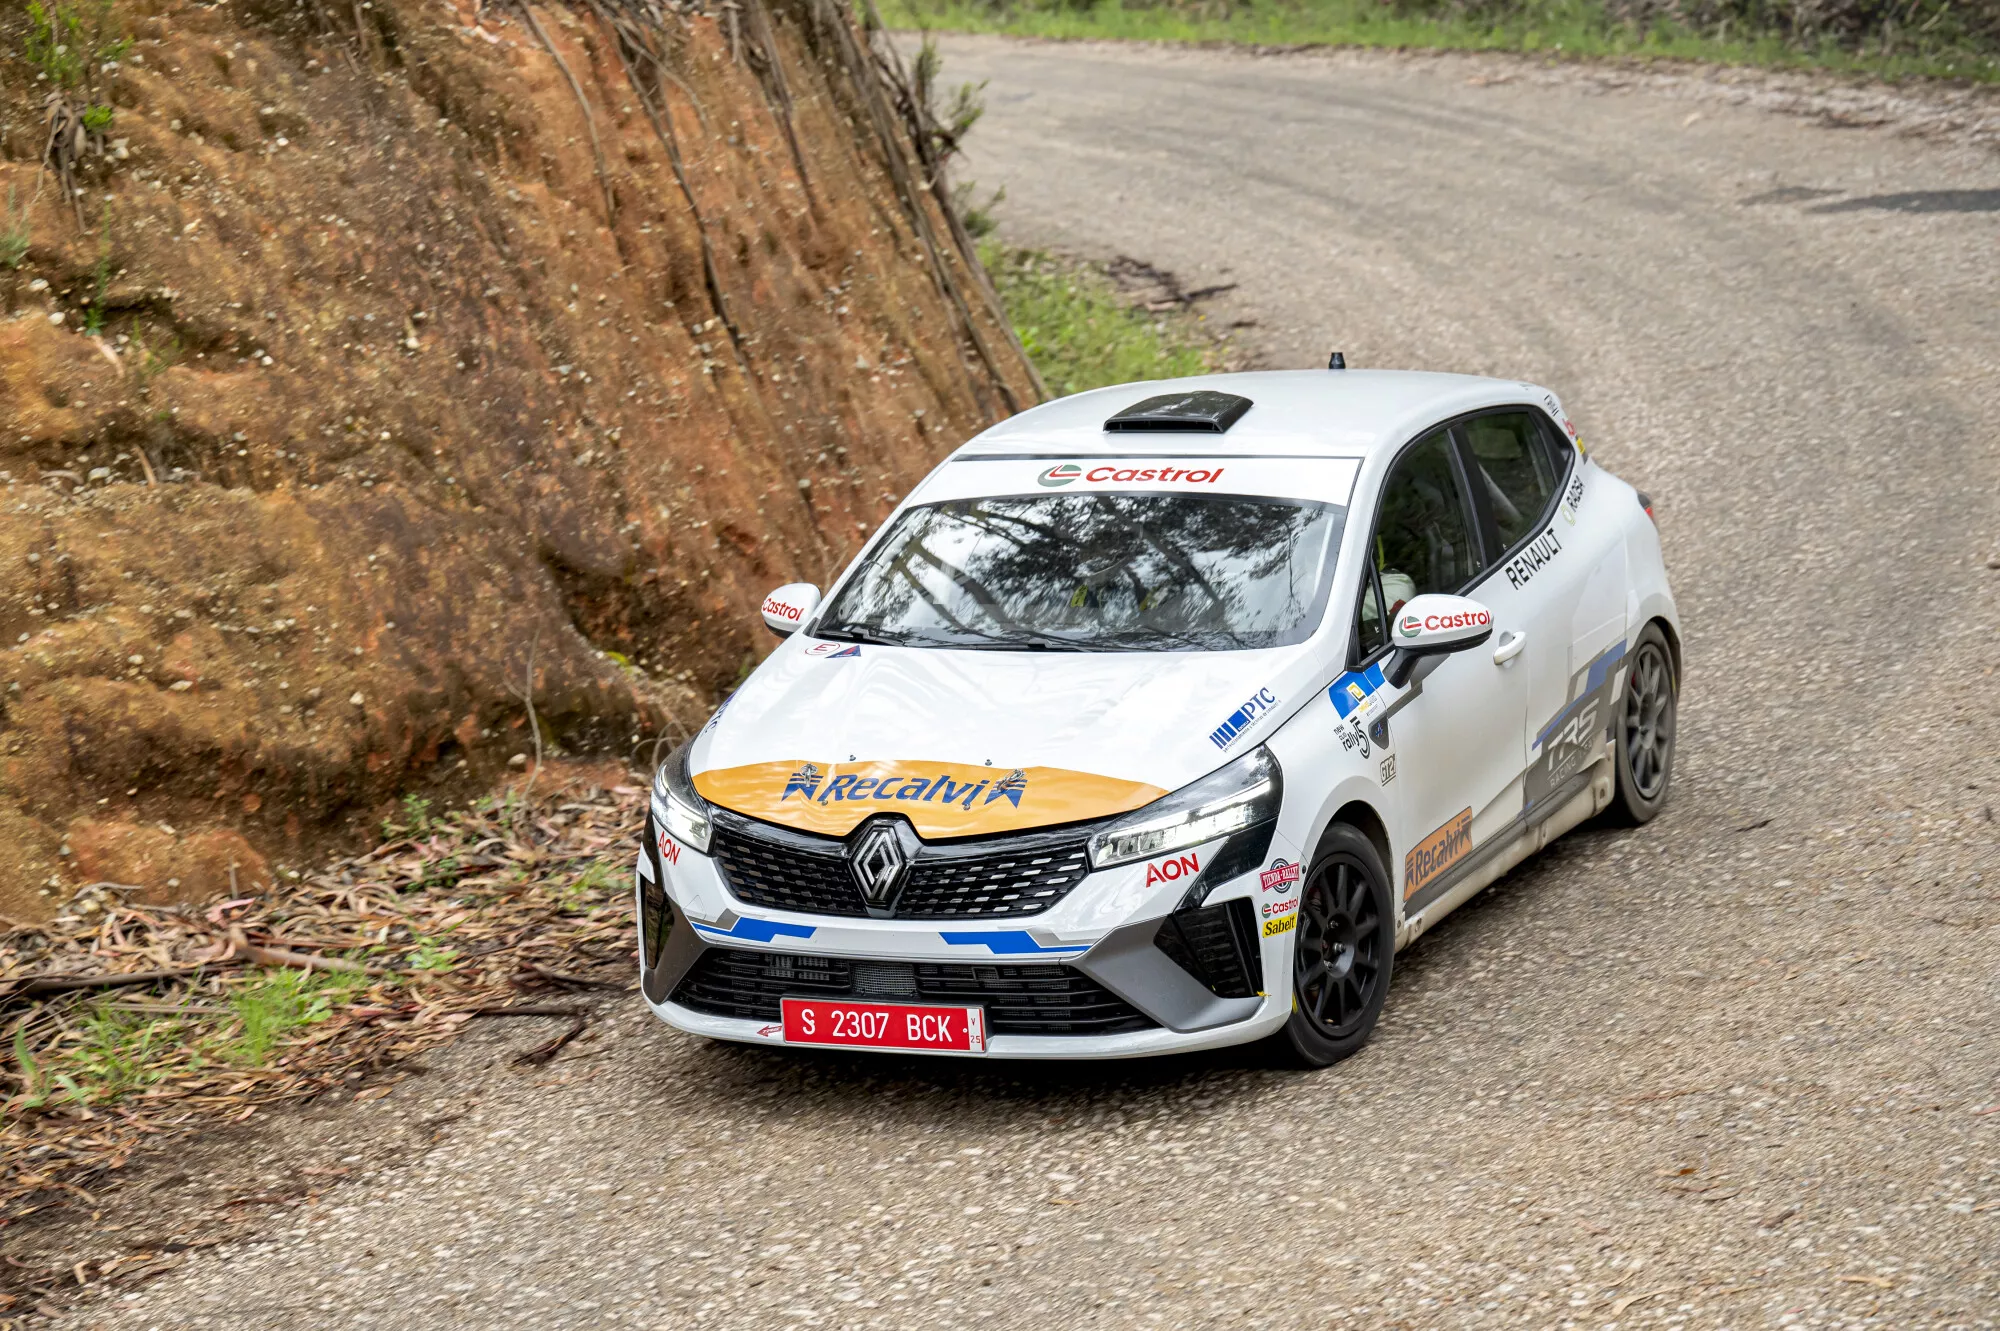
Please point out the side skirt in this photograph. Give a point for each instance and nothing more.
(1582, 797)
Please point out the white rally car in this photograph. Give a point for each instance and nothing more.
(1161, 717)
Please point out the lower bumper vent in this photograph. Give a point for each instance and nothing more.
(1218, 946)
(1019, 1000)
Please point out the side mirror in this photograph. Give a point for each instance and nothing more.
(786, 608)
(1434, 625)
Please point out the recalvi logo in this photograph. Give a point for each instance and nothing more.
(1436, 853)
(812, 784)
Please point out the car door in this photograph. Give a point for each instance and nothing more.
(1456, 738)
(1555, 578)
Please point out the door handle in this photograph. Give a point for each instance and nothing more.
(1510, 647)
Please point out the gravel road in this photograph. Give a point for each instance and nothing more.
(1739, 1068)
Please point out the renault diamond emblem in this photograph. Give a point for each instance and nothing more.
(878, 862)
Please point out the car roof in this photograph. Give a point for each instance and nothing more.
(1301, 413)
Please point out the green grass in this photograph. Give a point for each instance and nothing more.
(276, 1006)
(1077, 330)
(1555, 27)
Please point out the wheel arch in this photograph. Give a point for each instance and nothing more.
(1673, 637)
(1363, 817)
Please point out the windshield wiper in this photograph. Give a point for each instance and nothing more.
(855, 635)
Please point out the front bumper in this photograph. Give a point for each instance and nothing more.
(686, 911)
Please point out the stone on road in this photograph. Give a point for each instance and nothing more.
(1737, 1068)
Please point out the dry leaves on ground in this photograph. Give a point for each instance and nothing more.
(259, 1000)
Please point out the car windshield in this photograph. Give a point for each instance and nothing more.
(1120, 571)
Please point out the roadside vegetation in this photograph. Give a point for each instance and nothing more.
(1081, 331)
(123, 1023)
(1891, 39)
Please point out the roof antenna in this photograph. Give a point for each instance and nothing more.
(1336, 361)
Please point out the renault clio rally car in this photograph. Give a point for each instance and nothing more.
(1161, 717)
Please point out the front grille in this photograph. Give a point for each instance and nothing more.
(1019, 1000)
(1022, 873)
(1007, 882)
(789, 874)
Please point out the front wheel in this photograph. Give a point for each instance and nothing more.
(1343, 948)
(1646, 725)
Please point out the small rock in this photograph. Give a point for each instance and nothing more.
(39, 284)
(181, 685)
(100, 473)
(518, 760)
(355, 699)
(56, 318)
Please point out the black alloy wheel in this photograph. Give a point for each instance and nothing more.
(1343, 949)
(1645, 730)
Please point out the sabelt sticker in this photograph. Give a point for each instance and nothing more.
(1436, 853)
(1282, 925)
(1281, 877)
(939, 799)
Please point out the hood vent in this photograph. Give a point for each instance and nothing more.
(1203, 412)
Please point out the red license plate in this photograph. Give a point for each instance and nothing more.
(884, 1025)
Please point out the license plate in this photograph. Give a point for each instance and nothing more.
(884, 1025)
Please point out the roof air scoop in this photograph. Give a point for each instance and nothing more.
(1203, 412)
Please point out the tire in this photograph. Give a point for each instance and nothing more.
(1647, 719)
(1343, 950)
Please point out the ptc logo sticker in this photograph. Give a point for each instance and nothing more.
(1059, 475)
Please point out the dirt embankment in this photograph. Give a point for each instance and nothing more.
(387, 351)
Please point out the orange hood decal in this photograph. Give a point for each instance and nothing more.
(939, 799)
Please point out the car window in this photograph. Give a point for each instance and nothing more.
(1510, 462)
(1423, 542)
(1372, 628)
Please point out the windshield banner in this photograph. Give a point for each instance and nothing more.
(1329, 480)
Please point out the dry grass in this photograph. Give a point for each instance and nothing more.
(287, 996)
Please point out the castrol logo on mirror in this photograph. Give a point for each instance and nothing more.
(1411, 625)
(783, 610)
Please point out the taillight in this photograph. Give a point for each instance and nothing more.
(1646, 502)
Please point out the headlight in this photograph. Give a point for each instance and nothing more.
(679, 809)
(1229, 799)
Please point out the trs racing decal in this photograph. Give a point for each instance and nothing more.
(1240, 720)
(1575, 735)
(834, 651)
(1173, 869)
(939, 799)
(1436, 853)
(1065, 473)
(1284, 925)
(1281, 877)
(1522, 568)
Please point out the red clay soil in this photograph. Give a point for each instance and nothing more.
(372, 365)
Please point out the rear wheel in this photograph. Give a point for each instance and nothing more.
(1343, 949)
(1647, 720)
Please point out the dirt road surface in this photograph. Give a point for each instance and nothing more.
(1735, 1069)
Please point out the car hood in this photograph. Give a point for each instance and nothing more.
(966, 743)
